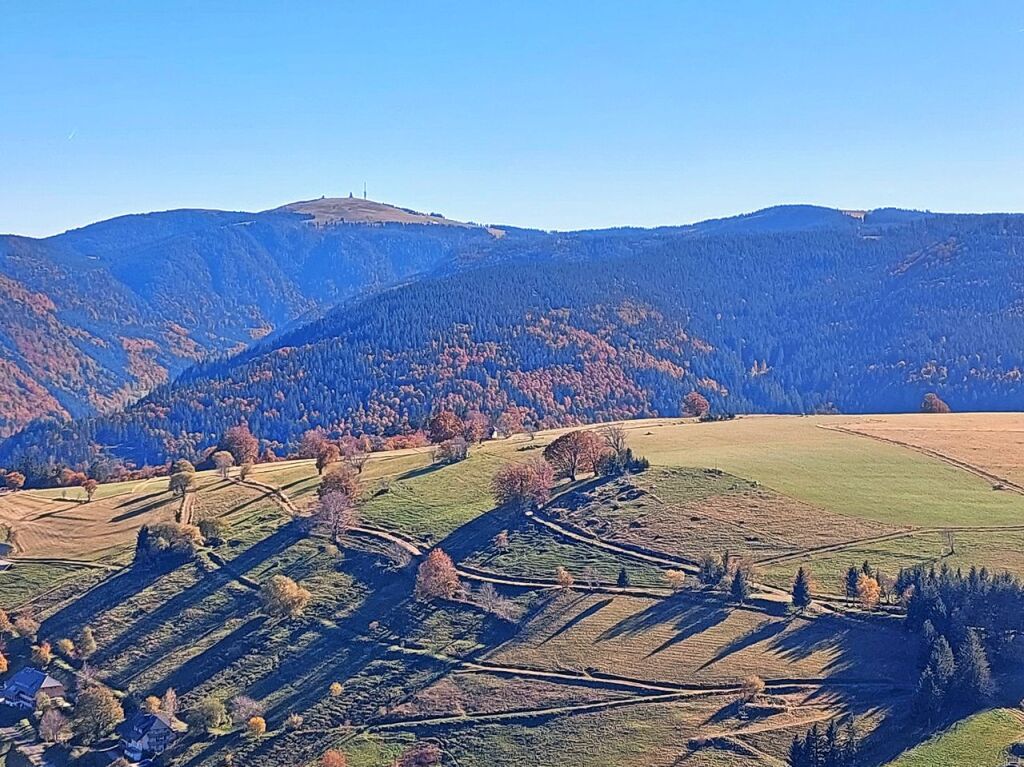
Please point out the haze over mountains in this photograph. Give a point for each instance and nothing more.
(790, 309)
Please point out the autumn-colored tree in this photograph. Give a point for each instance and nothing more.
(524, 485)
(183, 464)
(695, 405)
(151, 704)
(213, 530)
(26, 626)
(868, 592)
(437, 577)
(336, 513)
(676, 579)
(575, 452)
(6, 627)
(66, 647)
(87, 643)
(339, 479)
(256, 728)
(476, 427)
(97, 713)
(501, 542)
(420, 755)
(283, 597)
(54, 727)
(293, 722)
(241, 443)
(243, 708)
(42, 654)
(223, 460)
(932, 404)
(4, 665)
(312, 443)
(15, 480)
(444, 425)
(169, 703)
(181, 482)
(335, 689)
(801, 589)
(245, 470)
(90, 486)
(333, 758)
(752, 686)
(510, 421)
(564, 578)
(327, 454)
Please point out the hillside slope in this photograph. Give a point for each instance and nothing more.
(94, 318)
(596, 325)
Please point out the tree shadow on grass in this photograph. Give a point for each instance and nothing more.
(688, 619)
(769, 629)
(145, 509)
(578, 618)
(116, 590)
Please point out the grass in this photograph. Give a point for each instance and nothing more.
(980, 741)
(850, 475)
(26, 581)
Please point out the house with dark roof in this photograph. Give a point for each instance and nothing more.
(146, 734)
(22, 689)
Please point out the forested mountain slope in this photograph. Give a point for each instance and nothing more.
(810, 310)
(92, 319)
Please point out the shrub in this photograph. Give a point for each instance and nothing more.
(213, 529)
(207, 714)
(451, 451)
(167, 543)
(256, 727)
(437, 577)
(283, 597)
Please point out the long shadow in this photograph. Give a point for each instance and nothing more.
(139, 511)
(133, 499)
(422, 471)
(69, 620)
(689, 618)
(767, 630)
(216, 658)
(579, 618)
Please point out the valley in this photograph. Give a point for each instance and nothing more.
(620, 664)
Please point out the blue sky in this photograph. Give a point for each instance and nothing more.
(554, 115)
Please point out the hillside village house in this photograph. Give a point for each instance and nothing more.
(22, 689)
(146, 734)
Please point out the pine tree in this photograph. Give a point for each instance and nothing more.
(740, 588)
(623, 581)
(851, 582)
(801, 589)
(973, 676)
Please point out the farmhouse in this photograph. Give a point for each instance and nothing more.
(148, 734)
(22, 688)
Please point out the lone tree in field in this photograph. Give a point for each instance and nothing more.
(284, 598)
(932, 404)
(335, 513)
(523, 485)
(327, 454)
(576, 452)
(476, 427)
(420, 755)
(90, 486)
(97, 713)
(339, 479)
(312, 443)
(801, 589)
(241, 443)
(223, 460)
(437, 577)
(333, 758)
(695, 405)
(182, 482)
(87, 643)
(14, 480)
(443, 426)
(564, 578)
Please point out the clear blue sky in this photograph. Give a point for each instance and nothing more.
(555, 114)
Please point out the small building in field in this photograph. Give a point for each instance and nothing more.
(22, 689)
(146, 734)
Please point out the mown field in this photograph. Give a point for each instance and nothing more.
(592, 675)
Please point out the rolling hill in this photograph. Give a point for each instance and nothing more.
(790, 310)
(94, 318)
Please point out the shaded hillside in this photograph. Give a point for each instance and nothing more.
(94, 318)
(596, 325)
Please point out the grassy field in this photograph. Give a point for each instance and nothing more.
(566, 684)
(981, 741)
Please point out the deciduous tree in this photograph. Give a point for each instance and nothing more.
(90, 486)
(695, 405)
(97, 712)
(868, 592)
(339, 479)
(524, 485)
(223, 461)
(283, 597)
(335, 513)
(333, 758)
(15, 480)
(327, 454)
(575, 452)
(241, 443)
(54, 727)
(444, 425)
(933, 404)
(437, 577)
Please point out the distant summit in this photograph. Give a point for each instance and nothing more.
(357, 210)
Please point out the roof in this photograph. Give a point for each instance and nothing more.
(31, 680)
(142, 723)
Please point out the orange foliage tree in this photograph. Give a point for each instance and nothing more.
(445, 425)
(437, 577)
(695, 404)
(523, 484)
(241, 443)
(576, 452)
